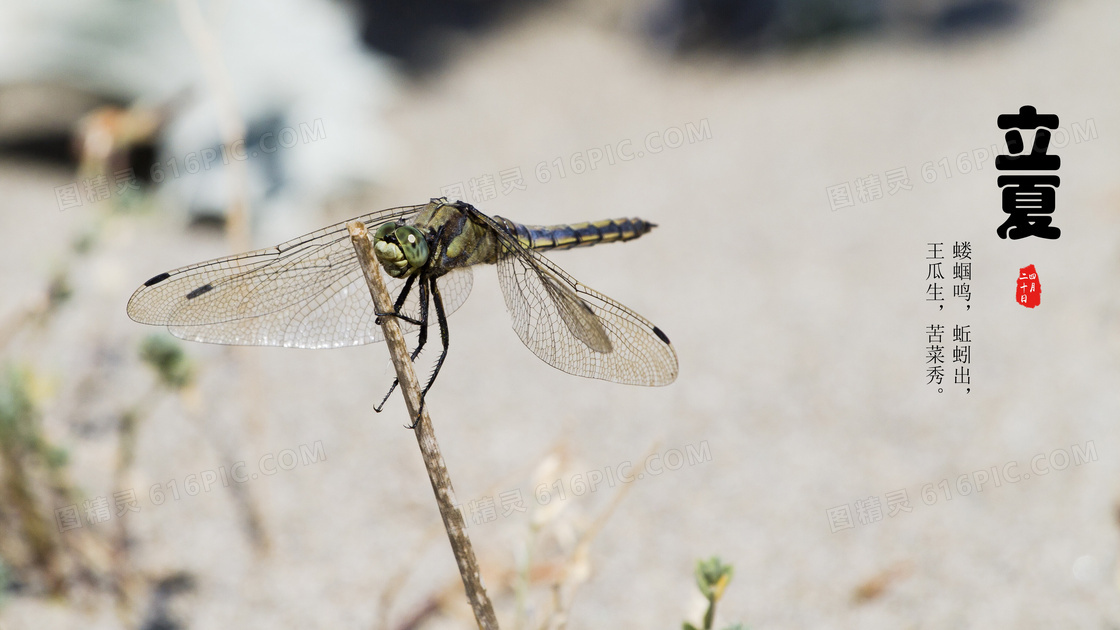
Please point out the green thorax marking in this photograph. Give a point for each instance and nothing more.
(454, 238)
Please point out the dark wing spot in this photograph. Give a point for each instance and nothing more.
(160, 278)
(660, 335)
(587, 307)
(199, 291)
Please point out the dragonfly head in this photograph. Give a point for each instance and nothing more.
(401, 249)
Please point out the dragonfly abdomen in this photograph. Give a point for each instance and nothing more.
(567, 236)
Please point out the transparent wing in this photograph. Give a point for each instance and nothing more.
(306, 293)
(574, 328)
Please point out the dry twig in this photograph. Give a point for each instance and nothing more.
(425, 436)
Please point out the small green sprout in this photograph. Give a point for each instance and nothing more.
(168, 360)
(712, 577)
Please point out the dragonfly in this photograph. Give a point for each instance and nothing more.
(310, 292)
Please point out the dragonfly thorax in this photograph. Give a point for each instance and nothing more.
(402, 250)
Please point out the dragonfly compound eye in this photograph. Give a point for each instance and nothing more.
(385, 230)
(413, 244)
(401, 250)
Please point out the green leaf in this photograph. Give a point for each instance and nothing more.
(712, 577)
(167, 358)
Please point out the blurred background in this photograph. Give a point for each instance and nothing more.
(799, 156)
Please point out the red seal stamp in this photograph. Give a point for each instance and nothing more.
(1028, 290)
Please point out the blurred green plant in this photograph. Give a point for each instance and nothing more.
(5, 581)
(175, 371)
(20, 431)
(712, 577)
(59, 290)
(167, 358)
(33, 483)
(25, 453)
(84, 242)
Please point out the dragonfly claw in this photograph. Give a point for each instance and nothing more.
(419, 414)
(399, 316)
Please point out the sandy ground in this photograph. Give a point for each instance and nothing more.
(800, 332)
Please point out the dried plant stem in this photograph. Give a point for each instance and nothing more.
(425, 436)
(231, 127)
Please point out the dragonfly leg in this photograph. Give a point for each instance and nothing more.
(400, 304)
(423, 323)
(441, 318)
